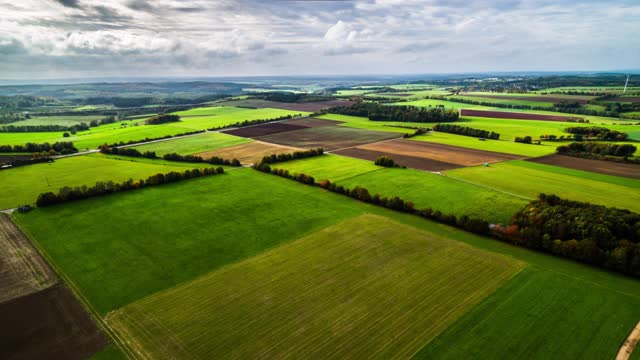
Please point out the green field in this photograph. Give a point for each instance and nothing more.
(194, 144)
(515, 101)
(424, 189)
(502, 146)
(446, 104)
(570, 319)
(22, 185)
(336, 293)
(135, 130)
(530, 179)
(58, 120)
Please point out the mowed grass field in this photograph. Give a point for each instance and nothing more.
(503, 146)
(368, 287)
(194, 144)
(530, 179)
(135, 130)
(541, 314)
(422, 188)
(57, 120)
(22, 185)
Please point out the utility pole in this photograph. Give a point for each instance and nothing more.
(625, 85)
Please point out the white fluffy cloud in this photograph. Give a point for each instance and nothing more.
(44, 38)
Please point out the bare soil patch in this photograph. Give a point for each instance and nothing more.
(249, 153)
(440, 152)
(313, 122)
(626, 99)
(22, 269)
(262, 130)
(598, 166)
(404, 160)
(514, 115)
(49, 324)
(527, 98)
(329, 137)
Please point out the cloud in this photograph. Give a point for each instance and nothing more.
(10, 47)
(69, 3)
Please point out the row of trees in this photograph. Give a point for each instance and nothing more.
(214, 160)
(276, 158)
(525, 139)
(378, 112)
(162, 119)
(386, 161)
(466, 131)
(596, 133)
(464, 222)
(593, 234)
(597, 149)
(61, 147)
(420, 131)
(67, 194)
(22, 162)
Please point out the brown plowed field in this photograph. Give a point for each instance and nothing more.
(264, 129)
(49, 324)
(22, 269)
(328, 137)
(598, 166)
(529, 98)
(626, 99)
(443, 153)
(414, 162)
(249, 153)
(513, 115)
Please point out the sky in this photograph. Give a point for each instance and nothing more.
(45, 39)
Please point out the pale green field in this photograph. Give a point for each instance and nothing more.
(194, 144)
(57, 120)
(22, 185)
(446, 104)
(505, 101)
(502, 146)
(338, 292)
(599, 89)
(366, 124)
(530, 179)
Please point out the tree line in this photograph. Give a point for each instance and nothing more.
(54, 128)
(67, 194)
(596, 133)
(22, 162)
(61, 147)
(594, 234)
(419, 131)
(401, 113)
(386, 161)
(276, 158)
(597, 150)
(466, 131)
(214, 160)
(162, 119)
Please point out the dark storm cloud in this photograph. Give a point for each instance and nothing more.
(69, 3)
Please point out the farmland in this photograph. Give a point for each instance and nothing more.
(193, 144)
(594, 166)
(320, 293)
(24, 184)
(329, 137)
(501, 146)
(529, 179)
(248, 153)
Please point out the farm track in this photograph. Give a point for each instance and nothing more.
(298, 299)
(629, 344)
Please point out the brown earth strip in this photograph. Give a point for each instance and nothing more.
(440, 152)
(527, 98)
(262, 130)
(598, 166)
(22, 269)
(629, 344)
(513, 115)
(625, 99)
(404, 160)
(249, 153)
(329, 137)
(49, 324)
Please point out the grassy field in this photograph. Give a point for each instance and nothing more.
(336, 293)
(194, 144)
(136, 130)
(211, 222)
(503, 146)
(58, 120)
(525, 322)
(22, 185)
(423, 188)
(446, 104)
(519, 102)
(530, 179)
(366, 124)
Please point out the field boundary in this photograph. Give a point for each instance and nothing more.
(116, 340)
(629, 344)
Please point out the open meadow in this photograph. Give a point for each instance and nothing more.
(193, 144)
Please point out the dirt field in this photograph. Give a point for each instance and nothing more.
(49, 324)
(249, 153)
(22, 270)
(598, 166)
(313, 122)
(265, 129)
(626, 99)
(310, 106)
(328, 137)
(527, 98)
(513, 115)
(404, 160)
(439, 152)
